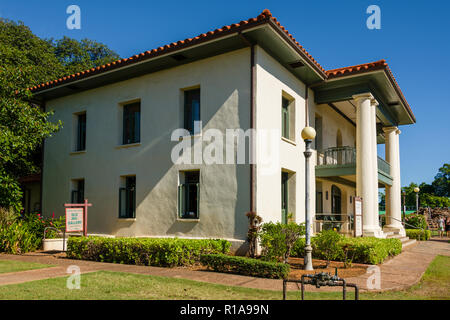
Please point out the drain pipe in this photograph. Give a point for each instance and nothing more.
(252, 127)
(306, 106)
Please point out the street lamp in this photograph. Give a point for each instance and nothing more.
(416, 190)
(308, 134)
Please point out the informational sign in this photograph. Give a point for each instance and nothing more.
(74, 219)
(76, 216)
(358, 211)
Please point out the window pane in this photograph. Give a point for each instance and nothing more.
(80, 191)
(81, 132)
(189, 197)
(122, 203)
(130, 197)
(285, 117)
(131, 123)
(191, 109)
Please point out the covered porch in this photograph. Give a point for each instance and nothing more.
(368, 98)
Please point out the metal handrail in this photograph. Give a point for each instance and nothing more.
(410, 225)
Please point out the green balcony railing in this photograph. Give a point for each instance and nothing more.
(337, 156)
(384, 166)
(345, 157)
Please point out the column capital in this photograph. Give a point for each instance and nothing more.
(374, 102)
(391, 129)
(363, 96)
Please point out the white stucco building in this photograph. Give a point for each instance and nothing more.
(115, 148)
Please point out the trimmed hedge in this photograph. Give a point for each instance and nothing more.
(162, 252)
(363, 250)
(415, 233)
(245, 266)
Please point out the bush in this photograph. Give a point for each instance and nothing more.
(162, 252)
(326, 243)
(24, 234)
(278, 239)
(245, 266)
(418, 234)
(416, 220)
(367, 250)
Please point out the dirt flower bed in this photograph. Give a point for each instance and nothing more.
(297, 271)
(320, 266)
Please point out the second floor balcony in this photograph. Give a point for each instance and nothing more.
(340, 163)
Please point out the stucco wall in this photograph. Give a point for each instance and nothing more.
(224, 189)
(272, 81)
(331, 123)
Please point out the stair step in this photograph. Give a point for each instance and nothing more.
(395, 236)
(408, 243)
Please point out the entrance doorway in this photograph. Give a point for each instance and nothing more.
(336, 207)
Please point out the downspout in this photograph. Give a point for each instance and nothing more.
(306, 106)
(42, 167)
(252, 127)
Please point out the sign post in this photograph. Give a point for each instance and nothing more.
(358, 213)
(76, 217)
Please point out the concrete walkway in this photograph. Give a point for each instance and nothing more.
(398, 273)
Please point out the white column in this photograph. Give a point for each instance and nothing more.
(373, 122)
(366, 163)
(393, 193)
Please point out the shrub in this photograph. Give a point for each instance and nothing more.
(245, 266)
(416, 220)
(278, 239)
(163, 252)
(24, 234)
(326, 243)
(363, 250)
(418, 234)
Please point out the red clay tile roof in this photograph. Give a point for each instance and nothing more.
(264, 17)
(367, 67)
(360, 68)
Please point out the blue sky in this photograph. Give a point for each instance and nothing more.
(414, 39)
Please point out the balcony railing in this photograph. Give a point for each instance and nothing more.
(384, 166)
(337, 156)
(340, 156)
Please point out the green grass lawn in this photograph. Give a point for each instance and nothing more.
(115, 285)
(16, 266)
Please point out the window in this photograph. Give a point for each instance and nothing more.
(78, 191)
(188, 195)
(127, 198)
(81, 132)
(285, 117)
(132, 123)
(191, 109)
(284, 196)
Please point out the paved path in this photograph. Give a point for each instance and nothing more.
(399, 272)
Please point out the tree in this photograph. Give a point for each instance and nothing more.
(23, 126)
(77, 56)
(441, 181)
(27, 60)
(20, 48)
(410, 198)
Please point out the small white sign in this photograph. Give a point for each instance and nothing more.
(74, 219)
(358, 217)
